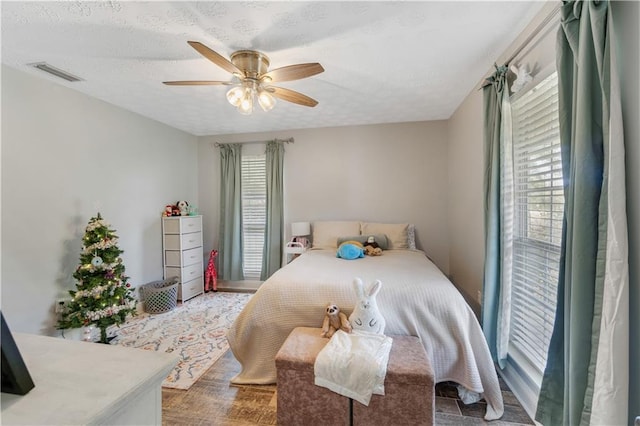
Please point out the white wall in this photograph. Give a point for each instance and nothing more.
(465, 198)
(66, 156)
(387, 173)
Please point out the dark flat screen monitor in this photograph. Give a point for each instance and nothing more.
(15, 376)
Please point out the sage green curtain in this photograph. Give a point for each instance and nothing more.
(230, 229)
(586, 378)
(492, 292)
(274, 227)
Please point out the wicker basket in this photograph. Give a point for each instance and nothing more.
(160, 296)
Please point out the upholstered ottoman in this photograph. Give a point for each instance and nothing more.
(409, 386)
(408, 389)
(300, 401)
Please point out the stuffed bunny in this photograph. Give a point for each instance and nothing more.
(366, 316)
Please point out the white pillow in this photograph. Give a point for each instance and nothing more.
(397, 233)
(326, 233)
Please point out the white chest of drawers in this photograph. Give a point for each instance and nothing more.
(182, 254)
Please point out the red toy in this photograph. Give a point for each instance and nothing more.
(211, 275)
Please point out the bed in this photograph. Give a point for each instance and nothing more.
(416, 299)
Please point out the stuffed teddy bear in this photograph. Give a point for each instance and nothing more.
(371, 248)
(183, 206)
(175, 211)
(334, 320)
(168, 211)
(372, 251)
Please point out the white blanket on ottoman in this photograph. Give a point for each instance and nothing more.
(354, 365)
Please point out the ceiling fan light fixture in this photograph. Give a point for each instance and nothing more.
(251, 79)
(266, 100)
(234, 96)
(246, 103)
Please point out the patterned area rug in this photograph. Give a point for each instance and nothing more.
(195, 330)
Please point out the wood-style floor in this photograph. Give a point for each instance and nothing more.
(212, 400)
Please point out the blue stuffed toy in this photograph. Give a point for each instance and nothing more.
(350, 250)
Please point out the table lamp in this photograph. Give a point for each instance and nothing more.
(299, 231)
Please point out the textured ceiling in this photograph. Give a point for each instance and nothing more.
(384, 62)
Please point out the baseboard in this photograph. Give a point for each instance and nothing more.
(245, 286)
(235, 290)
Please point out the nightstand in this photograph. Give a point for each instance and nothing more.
(294, 249)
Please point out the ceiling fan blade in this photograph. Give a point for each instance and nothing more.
(292, 96)
(216, 58)
(293, 72)
(196, 83)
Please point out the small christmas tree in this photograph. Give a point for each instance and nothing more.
(103, 296)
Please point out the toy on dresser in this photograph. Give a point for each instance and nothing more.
(183, 208)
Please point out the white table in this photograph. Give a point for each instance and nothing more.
(87, 383)
(294, 249)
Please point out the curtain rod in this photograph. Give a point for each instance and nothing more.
(289, 140)
(535, 32)
(554, 12)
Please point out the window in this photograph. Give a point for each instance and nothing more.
(254, 200)
(538, 206)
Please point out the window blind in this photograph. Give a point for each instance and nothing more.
(254, 195)
(538, 211)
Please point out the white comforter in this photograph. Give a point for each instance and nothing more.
(416, 299)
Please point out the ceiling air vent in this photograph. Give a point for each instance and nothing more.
(55, 71)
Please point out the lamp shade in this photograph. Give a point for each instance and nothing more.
(246, 103)
(234, 96)
(299, 229)
(266, 101)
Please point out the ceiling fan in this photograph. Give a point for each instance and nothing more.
(252, 79)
